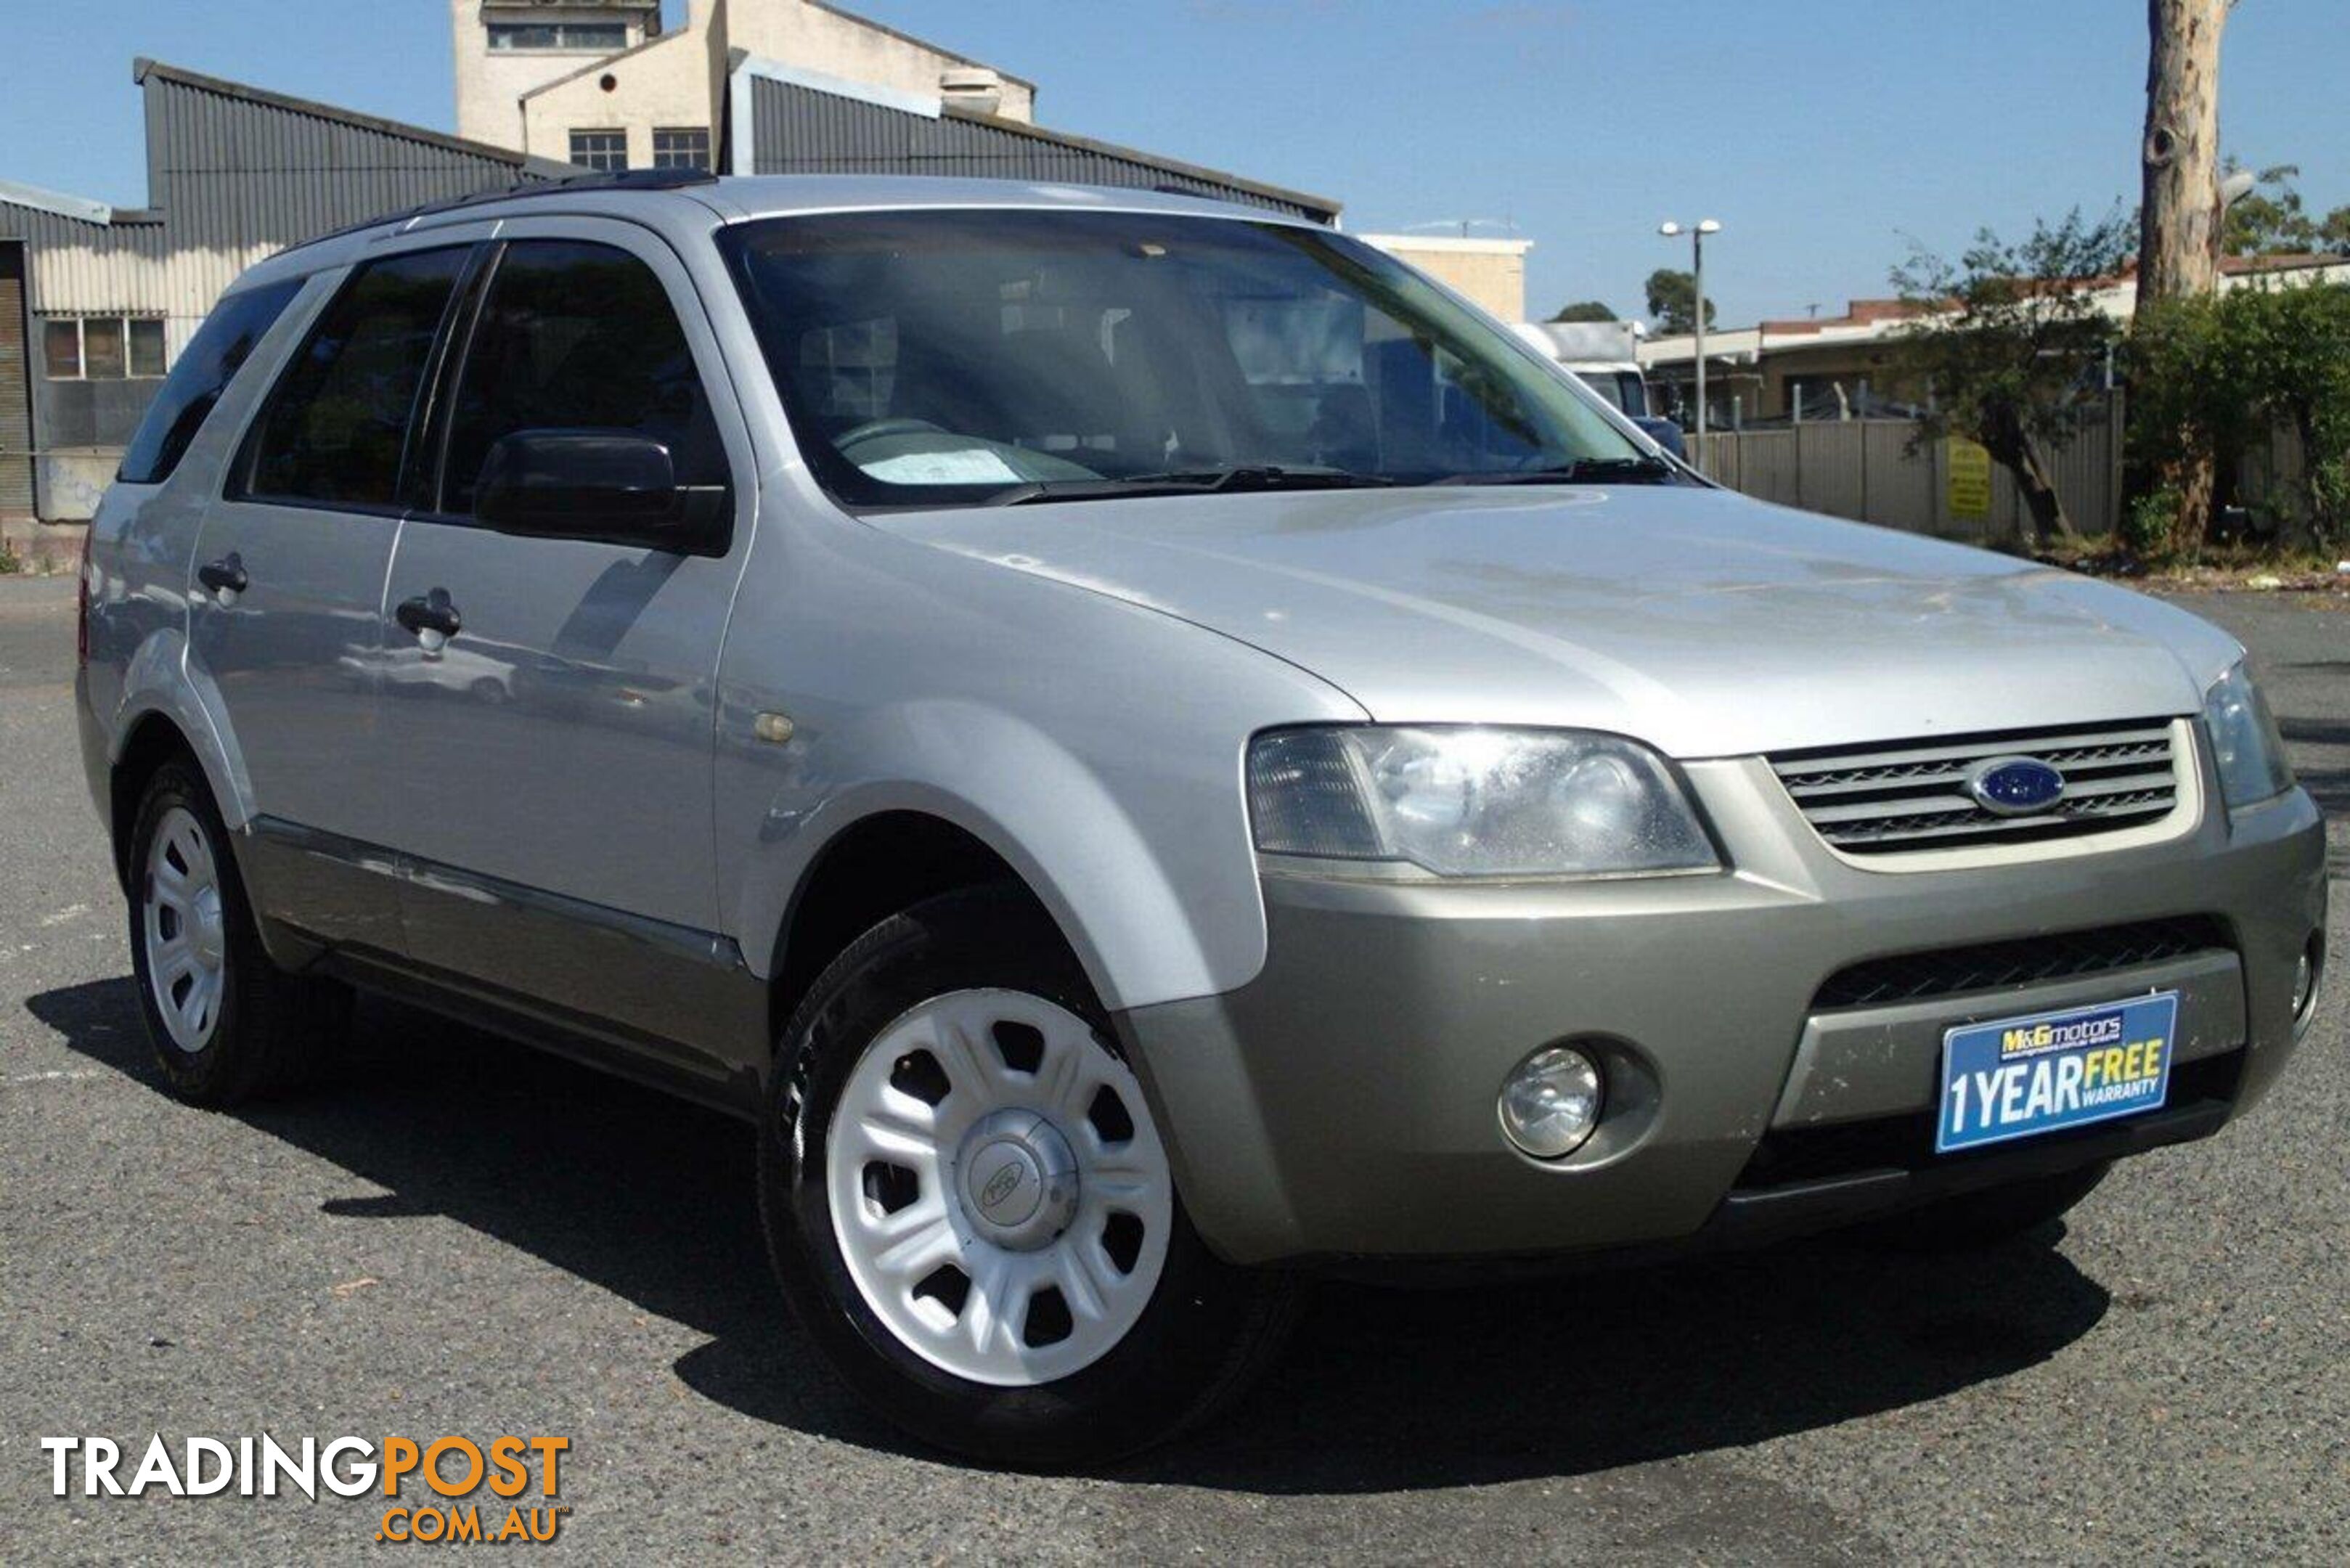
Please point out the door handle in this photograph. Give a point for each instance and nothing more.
(225, 576)
(430, 616)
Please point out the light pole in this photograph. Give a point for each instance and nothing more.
(1697, 232)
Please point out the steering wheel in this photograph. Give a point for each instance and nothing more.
(873, 430)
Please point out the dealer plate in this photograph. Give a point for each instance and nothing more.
(2015, 1077)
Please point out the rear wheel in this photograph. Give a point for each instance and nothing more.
(1986, 1219)
(226, 1023)
(972, 1209)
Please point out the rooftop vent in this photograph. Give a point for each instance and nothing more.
(972, 88)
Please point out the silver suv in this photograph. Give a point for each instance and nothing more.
(1150, 750)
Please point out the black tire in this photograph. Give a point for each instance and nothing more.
(1989, 1218)
(271, 1029)
(1208, 1329)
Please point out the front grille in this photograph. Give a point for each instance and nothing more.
(1912, 795)
(1906, 1142)
(1992, 966)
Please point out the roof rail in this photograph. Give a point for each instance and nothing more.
(587, 180)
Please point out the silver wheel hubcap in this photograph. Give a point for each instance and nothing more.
(998, 1190)
(184, 930)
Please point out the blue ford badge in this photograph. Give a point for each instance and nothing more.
(2014, 786)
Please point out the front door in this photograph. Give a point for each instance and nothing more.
(286, 596)
(555, 755)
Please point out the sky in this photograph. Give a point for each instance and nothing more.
(1826, 136)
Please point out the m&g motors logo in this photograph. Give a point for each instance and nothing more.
(456, 1471)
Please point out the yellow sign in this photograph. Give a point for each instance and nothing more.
(1968, 466)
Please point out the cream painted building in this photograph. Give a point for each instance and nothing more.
(597, 83)
(1489, 272)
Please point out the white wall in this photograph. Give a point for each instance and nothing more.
(817, 38)
(490, 83)
(664, 84)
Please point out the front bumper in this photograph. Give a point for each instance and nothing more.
(1341, 1106)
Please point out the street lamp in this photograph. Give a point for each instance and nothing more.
(1697, 232)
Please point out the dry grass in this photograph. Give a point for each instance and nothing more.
(2254, 568)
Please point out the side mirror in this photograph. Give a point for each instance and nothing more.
(612, 486)
(1665, 433)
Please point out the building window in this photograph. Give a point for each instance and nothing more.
(146, 347)
(593, 38)
(604, 150)
(679, 148)
(61, 349)
(102, 348)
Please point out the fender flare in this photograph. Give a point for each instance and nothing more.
(160, 682)
(1139, 937)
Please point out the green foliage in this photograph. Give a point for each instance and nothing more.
(10, 562)
(2214, 375)
(1672, 300)
(2271, 220)
(1586, 310)
(2013, 340)
(2150, 522)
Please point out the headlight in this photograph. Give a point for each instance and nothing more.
(1470, 802)
(2244, 740)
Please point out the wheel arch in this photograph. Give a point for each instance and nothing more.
(152, 738)
(878, 865)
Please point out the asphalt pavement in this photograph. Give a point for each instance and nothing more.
(460, 1236)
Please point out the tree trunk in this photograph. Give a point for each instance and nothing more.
(2043, 510)
(2040, 497)
(2178, 220)
(2316, 500)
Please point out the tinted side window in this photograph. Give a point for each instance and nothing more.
(211, 359)
(578, 336)
(337, 423)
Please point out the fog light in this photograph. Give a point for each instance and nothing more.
(2304, 985)
(1551, 1102)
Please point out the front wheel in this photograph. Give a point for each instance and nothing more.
(972, 1212)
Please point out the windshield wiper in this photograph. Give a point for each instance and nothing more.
(1188, 482)
(1641, 470)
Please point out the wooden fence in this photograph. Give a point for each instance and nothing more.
(1875, 471)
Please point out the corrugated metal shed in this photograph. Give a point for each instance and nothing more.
(798, 127)
(79, 266)
(241, 173)
(235, 175)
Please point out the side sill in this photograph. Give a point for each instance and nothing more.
(592, 1043)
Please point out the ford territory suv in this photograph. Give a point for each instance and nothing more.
(1150, 750)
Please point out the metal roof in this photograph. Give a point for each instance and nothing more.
(786, 121)
(143, 70)
(16, 193)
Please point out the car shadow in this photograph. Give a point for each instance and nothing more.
(1379, 1390)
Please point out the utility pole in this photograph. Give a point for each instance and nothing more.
(2181, 215)
(1697, 232)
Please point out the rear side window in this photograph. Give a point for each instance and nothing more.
(337, 423)
(210, 360)
(578, 335)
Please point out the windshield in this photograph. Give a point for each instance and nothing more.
(945, 357)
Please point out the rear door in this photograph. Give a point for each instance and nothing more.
(555, 755)
(286, 589)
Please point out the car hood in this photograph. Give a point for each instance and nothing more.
(1700, 621)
